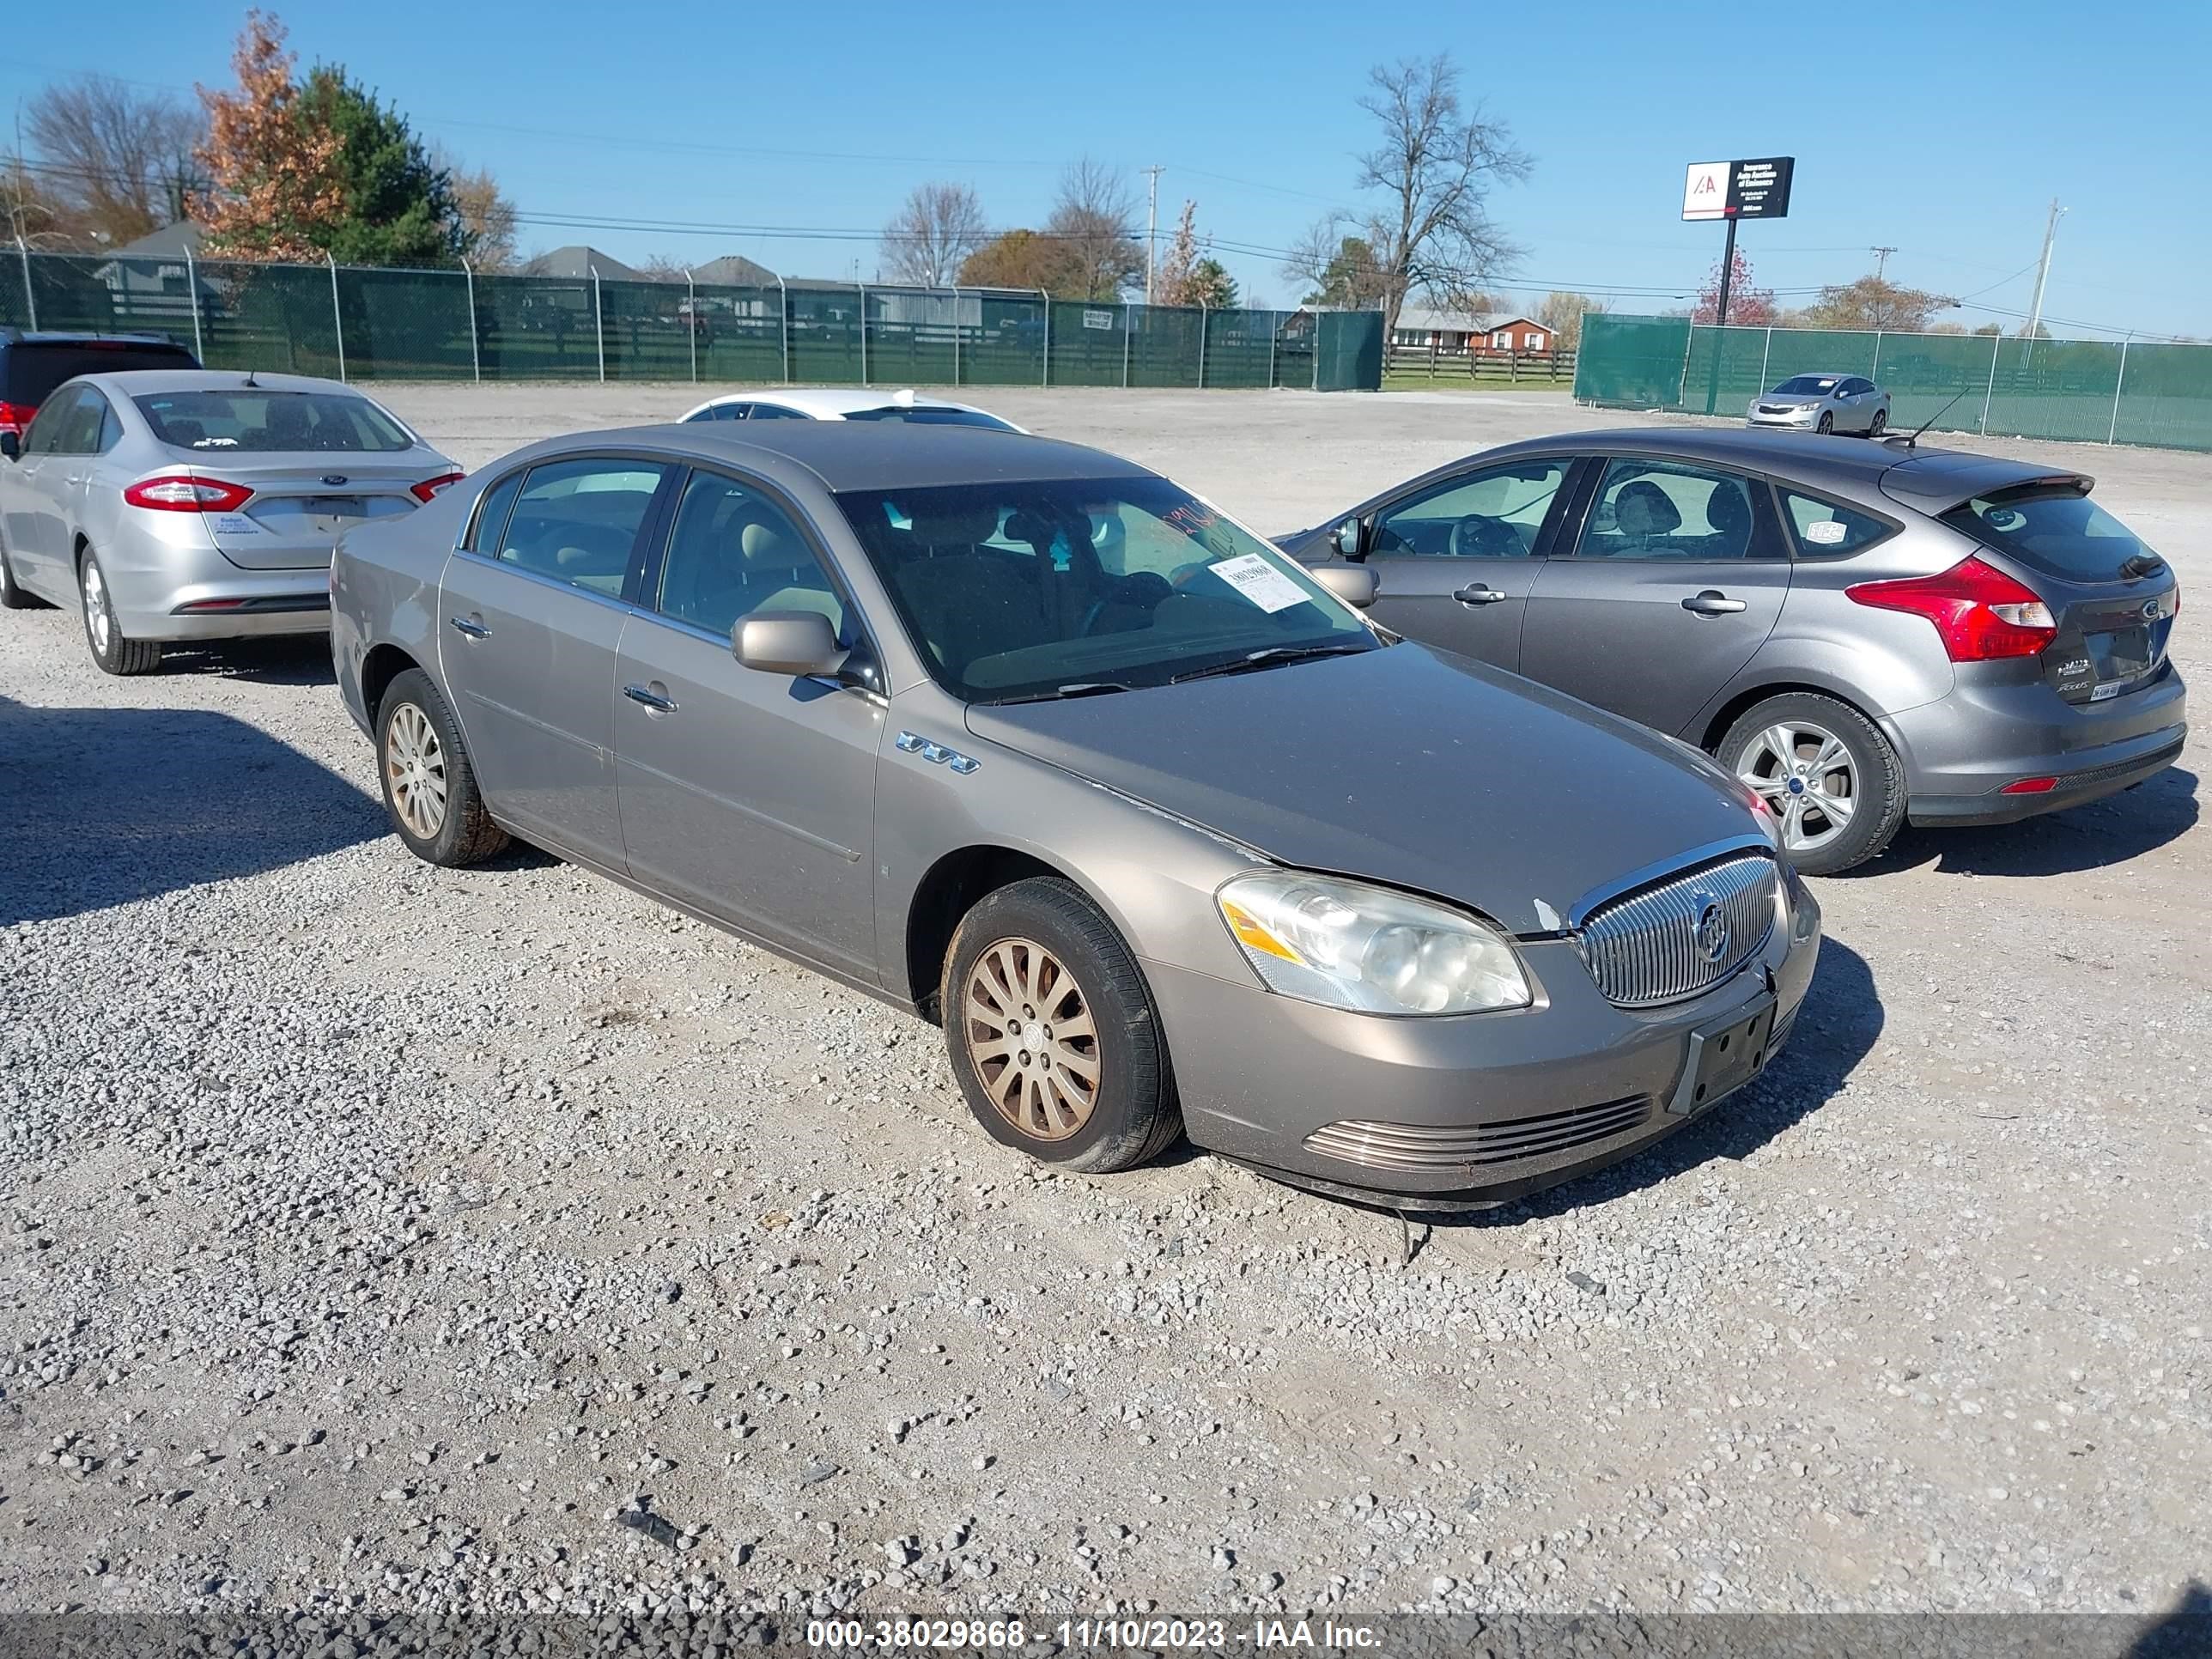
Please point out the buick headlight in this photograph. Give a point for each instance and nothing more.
(1346, 945)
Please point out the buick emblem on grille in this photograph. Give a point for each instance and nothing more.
(1712, 926)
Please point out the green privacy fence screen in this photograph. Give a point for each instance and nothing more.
(353, 323)
(2127, 391)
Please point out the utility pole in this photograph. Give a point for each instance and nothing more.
(1152, 227)
(1881, 260)
(2042, 276)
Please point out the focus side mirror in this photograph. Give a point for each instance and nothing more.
(1355, 584)
(11, 446)
(798, 643)
(1345, 538)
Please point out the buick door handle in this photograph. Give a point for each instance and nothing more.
(475, 630)
(1713, 603)
(652, 698)
(1477, 593)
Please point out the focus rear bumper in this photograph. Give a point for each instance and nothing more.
(2075, 789)
(1960, 751)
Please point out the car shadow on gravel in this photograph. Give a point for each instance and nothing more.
(2105, 832)
(289, 659)
(1840, 1020)
(101, 806)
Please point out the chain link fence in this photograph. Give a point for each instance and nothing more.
(2129, 391)
(353, 323)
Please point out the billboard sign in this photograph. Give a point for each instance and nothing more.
(1738, 190)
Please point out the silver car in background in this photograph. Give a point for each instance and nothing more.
(174, 504)
(1865, 634)
(1823, 403)
(830, 402)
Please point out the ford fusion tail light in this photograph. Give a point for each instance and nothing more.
(1981, 614)
(176, 492)
(430, 487)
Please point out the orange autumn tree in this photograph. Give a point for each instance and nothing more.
(276, 190)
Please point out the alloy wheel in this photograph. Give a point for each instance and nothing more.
(97, 621)
(1807, 776)
(1032, 1039)
(414, 767)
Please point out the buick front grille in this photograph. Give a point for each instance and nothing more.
(1411, 1147)
(1682, 935)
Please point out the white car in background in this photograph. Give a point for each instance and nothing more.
(845, 403)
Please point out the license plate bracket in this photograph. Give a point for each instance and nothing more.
(1725, 1054)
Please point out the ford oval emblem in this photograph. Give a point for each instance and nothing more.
(1712, 929)
(334, 477)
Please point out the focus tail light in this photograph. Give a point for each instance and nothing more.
(178, 492)
(430, 487)
(1981, 614)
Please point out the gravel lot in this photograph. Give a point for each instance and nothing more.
(377, 1238)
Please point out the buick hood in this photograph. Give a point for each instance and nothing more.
(1404, 765)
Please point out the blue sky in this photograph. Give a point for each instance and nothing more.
(1943, 130)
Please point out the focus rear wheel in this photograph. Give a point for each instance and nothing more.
(1831, 778)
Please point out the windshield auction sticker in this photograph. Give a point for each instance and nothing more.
(1259, 582)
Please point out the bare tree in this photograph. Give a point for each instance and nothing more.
(1339, 269)
(1562, 312)
(1095, 221)
(931, 236)
(1434, 167)
(487, 215)
(118, 160)
(28, 212)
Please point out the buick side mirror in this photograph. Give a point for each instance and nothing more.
(799, 643)
(1355, 584)
(11, 446)
(1346, 538)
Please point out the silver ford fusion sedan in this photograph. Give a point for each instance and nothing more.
(1024, 738)
(190, 504)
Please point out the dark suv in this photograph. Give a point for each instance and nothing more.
(33, 365)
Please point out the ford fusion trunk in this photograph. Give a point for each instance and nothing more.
(301, 505)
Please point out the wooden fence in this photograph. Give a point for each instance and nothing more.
(1409, 362)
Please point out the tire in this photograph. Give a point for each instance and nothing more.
(1874, 780)
(1827, 423)
(1006, 951)
(1880, 424)
(418, 748)
(14, 596)
(103, 633)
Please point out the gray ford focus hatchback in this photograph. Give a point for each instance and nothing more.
(1026, 738)
(1865, 634)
